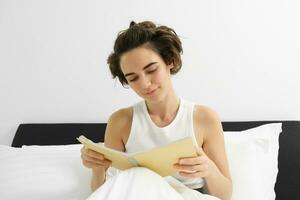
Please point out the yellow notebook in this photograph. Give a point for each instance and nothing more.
(160, 159)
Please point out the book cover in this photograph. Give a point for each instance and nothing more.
(159, 159)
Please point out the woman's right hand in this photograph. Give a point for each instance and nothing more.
(94, 160)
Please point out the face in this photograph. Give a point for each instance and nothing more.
(146, 73)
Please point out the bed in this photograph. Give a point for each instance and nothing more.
(61, 137)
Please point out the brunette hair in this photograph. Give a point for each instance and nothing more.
(161, 39)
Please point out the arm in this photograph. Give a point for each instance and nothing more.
(219, 181)
(117, 125)
(211, 162)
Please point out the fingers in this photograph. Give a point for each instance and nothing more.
(92, 153)
(91, 164)
(193, 160)
(198, 170)
(93, 159)
(194, 175)
(99, 161)
(191, 168)
(194, 166)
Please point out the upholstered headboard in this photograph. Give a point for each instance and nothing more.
(288, 178)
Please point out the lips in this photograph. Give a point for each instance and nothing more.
(151, 92)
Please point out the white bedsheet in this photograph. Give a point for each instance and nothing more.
(141, 183)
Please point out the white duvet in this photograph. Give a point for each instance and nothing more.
(141, 183)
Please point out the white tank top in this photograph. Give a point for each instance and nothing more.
(145, 134)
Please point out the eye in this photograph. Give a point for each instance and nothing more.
(132, 80)
(152, 70)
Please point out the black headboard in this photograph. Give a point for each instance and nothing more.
(57, 134)
(288, 178)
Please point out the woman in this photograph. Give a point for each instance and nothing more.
(144, 58)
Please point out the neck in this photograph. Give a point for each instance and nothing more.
(164, 109)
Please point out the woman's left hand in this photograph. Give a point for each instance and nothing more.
(199, 166)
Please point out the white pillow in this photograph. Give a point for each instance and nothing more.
(252, 156)
(43, 172)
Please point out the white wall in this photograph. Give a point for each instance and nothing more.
(240, 57)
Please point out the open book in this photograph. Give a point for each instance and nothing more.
(160, 159)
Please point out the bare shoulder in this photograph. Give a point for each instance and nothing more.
(206, 114)
(209, 120)
(122, 115)
(213, 137)
(118, 127)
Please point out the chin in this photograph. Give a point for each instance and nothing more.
(157, 97)
(154, 99)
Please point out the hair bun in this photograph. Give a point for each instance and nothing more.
(132, 23)
(144, 24)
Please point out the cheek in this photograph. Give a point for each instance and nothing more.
(136, 88)
(158, 78)
(133, 87)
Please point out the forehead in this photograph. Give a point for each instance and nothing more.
(137, 58)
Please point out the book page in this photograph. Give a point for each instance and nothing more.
(162, 159)
(119, 159)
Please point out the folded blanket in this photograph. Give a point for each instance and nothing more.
(141, 183)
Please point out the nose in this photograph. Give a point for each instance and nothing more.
(145, 82)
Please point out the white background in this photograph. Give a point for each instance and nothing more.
(240, 57)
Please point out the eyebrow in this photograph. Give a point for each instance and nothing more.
(148, 65)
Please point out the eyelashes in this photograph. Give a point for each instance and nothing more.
(132, 80)
(148, 72)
